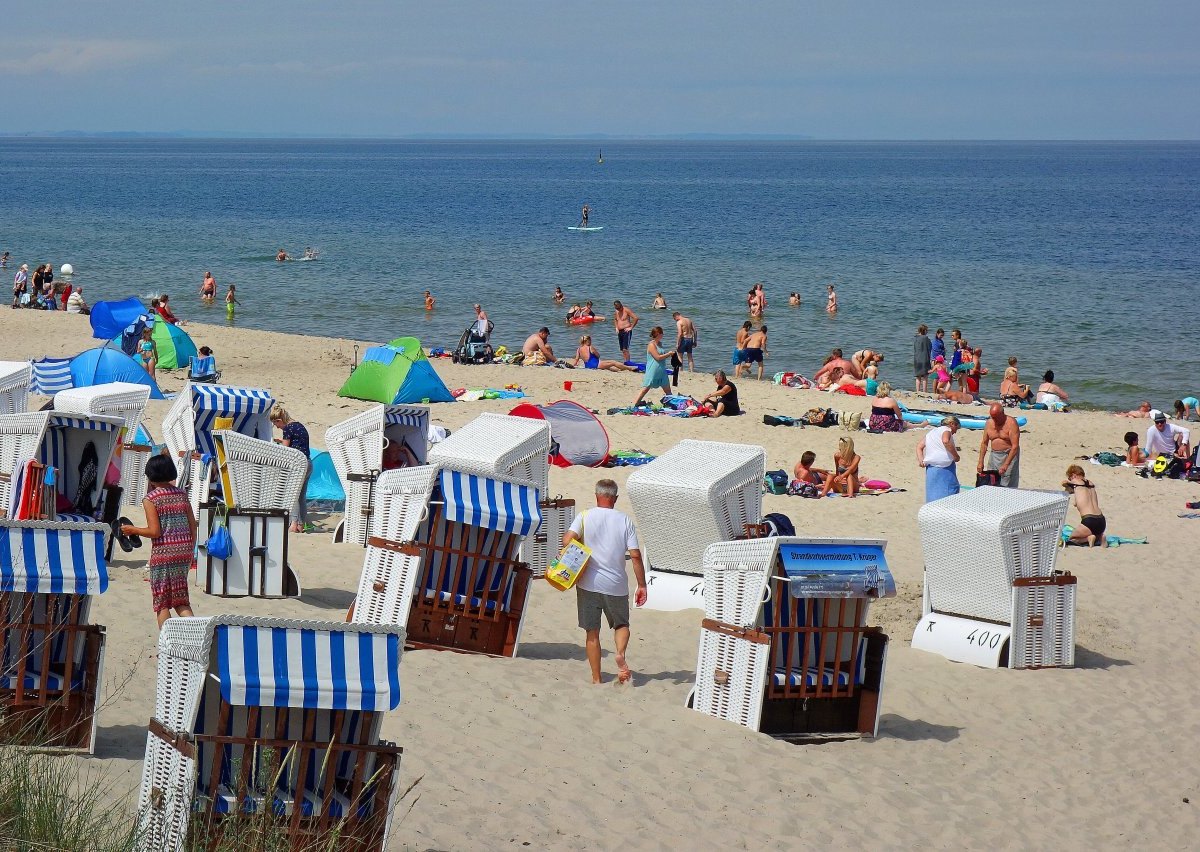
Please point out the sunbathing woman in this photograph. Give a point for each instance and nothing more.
(1142, 410)
(885, 412)
(1050, 394)
(1012, 392)
(591, 358)
(845, 477)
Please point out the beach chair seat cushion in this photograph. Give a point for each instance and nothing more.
(33, 680)
(814, 677)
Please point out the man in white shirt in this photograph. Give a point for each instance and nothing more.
(1166, 439)
(76, 304)
(604, 586)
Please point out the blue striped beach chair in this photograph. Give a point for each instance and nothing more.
(51, 656)
(785, 647)
(274, 718)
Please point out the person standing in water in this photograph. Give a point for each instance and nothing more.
(831, 305)
(208, 290)
(282, 255)
(429, 301)
(585, 213)
(231, 300)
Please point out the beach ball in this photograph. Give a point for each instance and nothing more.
(66, 269)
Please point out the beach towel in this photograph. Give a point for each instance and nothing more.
(791, 380)
(1111, 540)
(628, 458)
(851, 390)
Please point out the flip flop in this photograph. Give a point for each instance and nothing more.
(135, 540)
(122, 539)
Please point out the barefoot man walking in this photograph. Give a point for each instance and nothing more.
(604, 586)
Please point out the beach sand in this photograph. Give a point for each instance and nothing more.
(525, 752)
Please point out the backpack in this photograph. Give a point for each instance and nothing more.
(1165, 467)
(776, 482)
(779, 524)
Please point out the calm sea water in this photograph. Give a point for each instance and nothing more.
(1077, 257)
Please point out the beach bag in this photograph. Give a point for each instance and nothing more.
(987, 477)
(779, 525)
(815, 417)
(220, 542)
(570, 562)
(1166, 467)
(850, 420)
(776, 482)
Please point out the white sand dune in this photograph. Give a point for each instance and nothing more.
(524, 752)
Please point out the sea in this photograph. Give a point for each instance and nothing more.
(1077, 257)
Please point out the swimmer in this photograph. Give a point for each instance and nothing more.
(282, 255)
(559, 296)
(208, 290)
(831, 306)
(794, 300)
(660, 304)
(310, 253)
(231, 300)
(429, 301)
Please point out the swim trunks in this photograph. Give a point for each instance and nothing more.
(624, 338)
(752, 355)
(1096, 525)
(686, 345)
(739, 356)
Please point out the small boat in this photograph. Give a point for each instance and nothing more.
(600, 160)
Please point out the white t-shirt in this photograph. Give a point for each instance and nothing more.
(1163, 443)
(936, 454)
(75, 302)
(610, 534)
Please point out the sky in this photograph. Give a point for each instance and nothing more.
(871, 69)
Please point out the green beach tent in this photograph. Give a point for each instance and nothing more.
(175, 347)
(397, 372)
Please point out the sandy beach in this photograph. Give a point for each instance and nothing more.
(526, 753)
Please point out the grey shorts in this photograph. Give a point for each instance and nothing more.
(591, 604)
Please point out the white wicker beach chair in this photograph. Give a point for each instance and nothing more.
(51, 655)
(992, 595)
(442, 559)
(56, 441)
(356, 448)
(515, 448)
(188, 427)
(271, 717)
(695, 494)
(784, 646)
(15, 377)
(116, 399)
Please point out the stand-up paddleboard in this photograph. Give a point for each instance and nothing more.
(582, 228)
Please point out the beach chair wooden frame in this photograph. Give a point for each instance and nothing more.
(191, 420)
(443, 563)
(792, 655)
(695, 494)
(54, 439)
(275, 718)
(992, 595)
(51, 656)
(15, 377)
(116, 399)
(356, 448)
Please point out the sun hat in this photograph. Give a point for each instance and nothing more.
(1158, 416)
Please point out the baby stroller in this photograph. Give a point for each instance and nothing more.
(473, 347)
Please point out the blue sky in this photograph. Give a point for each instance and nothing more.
(1022, 69)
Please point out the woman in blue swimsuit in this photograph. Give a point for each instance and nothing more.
(587, 354)
(148, 350)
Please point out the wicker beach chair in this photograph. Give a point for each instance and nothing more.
(15, 377)
(695, 494)
(59, 442)
(442, 560)
(276, 719)
(259, 482)
(356, 448)
(992, 595)
(516, 448)
(188, 427)
(51, 655)
(784, 646)
(116, 399)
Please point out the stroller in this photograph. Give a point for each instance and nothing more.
(473, 347)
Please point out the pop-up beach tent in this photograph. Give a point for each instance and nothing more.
(397, 372)
(175, 347)
(109, 319)
(576, 436)
(104, 365)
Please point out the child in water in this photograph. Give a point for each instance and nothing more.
(171, 527)
(231, 300)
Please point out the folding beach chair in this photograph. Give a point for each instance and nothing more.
(356, 447)
(442, 561)
(51, 656)
(784, 646)
(992, 594)
(693, 495)
(273, 718)
(203, 368)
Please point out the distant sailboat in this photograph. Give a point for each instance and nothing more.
(601, 159)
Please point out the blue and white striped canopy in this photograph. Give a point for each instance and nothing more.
(247, 406)
(490, 503)
(62, 559)
(51, 375)
(406, 415)
(301, 667)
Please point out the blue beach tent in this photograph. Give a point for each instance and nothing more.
(104, 364)
(109, 319)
